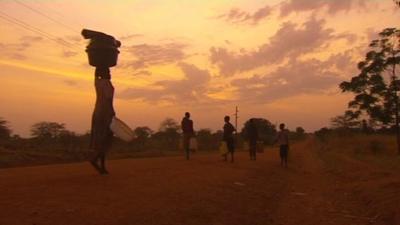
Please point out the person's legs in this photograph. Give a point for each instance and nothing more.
(101, 142)
(231, 148)
(186, 142)
(94, 161)
(286, 155)
(103, 163)
(107, 143)
(226, 153)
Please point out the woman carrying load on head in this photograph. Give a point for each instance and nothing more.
(101, 134)
(103, 54)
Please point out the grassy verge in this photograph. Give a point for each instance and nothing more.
(377, 150)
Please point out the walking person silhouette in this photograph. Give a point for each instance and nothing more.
(229, 138)
(282, 138)
(103, 54)
(101, 134)
(252, 135)
(188, 133)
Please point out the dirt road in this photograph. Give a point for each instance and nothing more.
(171, 190)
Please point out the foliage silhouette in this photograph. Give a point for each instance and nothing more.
(48, 130)
(266, 130)
(376, 86)
(5, 131)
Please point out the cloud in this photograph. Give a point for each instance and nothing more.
(191, 89)
(130, 37)
(72, 83)
(17, 50)
(290, 41)
(239, 16)
(68, 54)
(73, 40)
(16, 56)
(332, 6)
(236, 15)
(148, 55)
(295, 78)
(142, 73)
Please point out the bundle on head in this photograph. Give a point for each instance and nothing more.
(102, 49)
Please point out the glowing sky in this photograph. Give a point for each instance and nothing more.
(277, 59)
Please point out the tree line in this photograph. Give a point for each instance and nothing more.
(53, 136)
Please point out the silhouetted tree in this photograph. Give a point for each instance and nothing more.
(143, 132)
(376, 86)
(344, 122)
(16, 137)
(169, 123)
(47, 130)
(322, 133)
(5, 131)
(142, 135)
(205, 139)
(266, 130)
(300, 131)
(168, 133)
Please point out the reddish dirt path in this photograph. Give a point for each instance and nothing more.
(171, 190)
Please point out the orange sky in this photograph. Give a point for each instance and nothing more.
(280, 60)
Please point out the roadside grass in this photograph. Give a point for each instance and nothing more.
(33, 157)
(376, 149)
(366, 167)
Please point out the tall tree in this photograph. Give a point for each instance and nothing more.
(376, 86)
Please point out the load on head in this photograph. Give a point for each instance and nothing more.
(102, 49)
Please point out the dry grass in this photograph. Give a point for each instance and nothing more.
(376, 148)
(367, 165)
